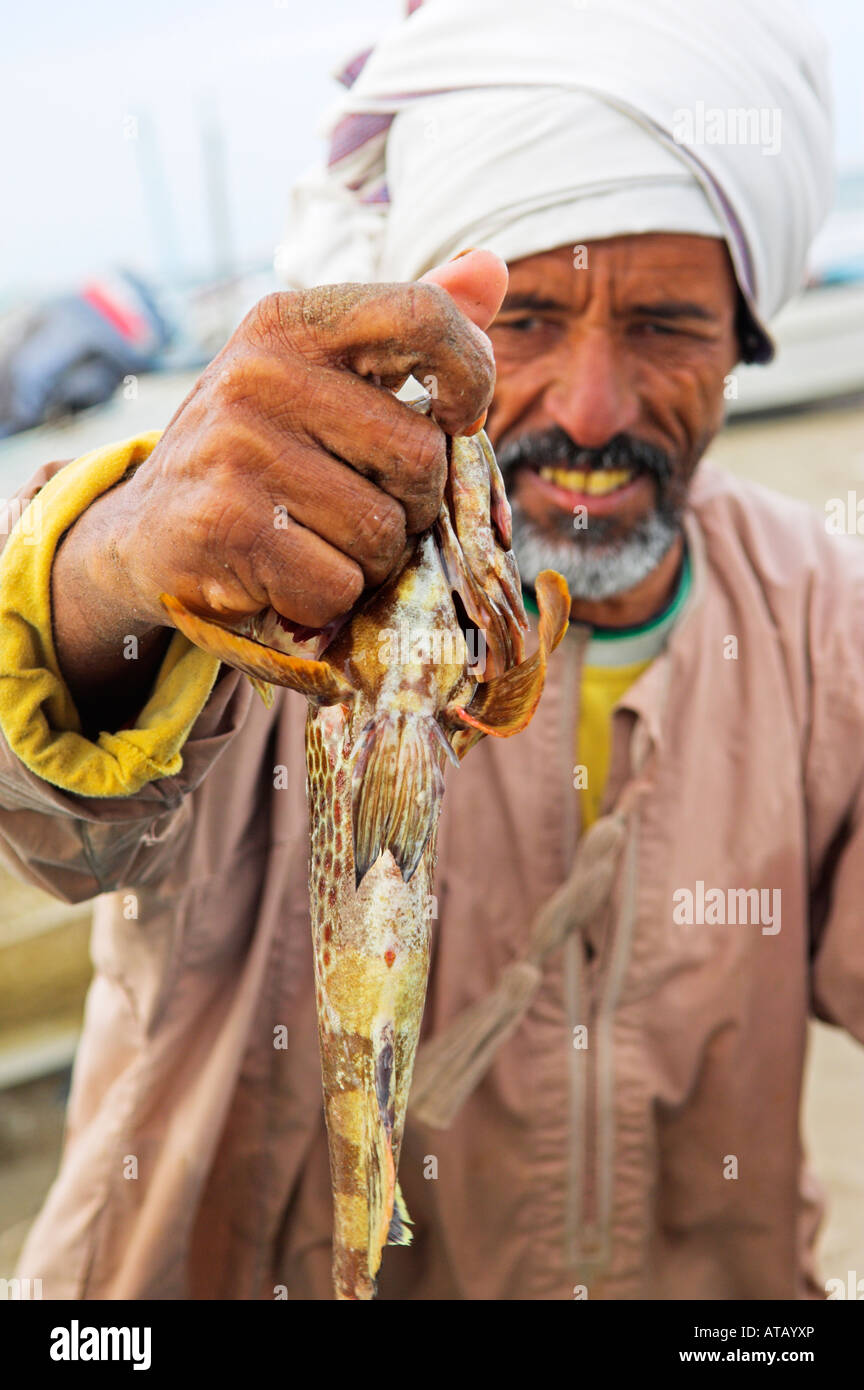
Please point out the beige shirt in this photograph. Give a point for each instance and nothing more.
(660, 1160)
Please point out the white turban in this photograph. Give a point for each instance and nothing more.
(523, 125)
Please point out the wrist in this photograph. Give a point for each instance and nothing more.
(92, 591)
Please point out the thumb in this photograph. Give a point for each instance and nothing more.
(476, 280)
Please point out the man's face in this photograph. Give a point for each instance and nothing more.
(609, 389)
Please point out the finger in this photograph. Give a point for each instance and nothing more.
(319, 492)
(303, 577)
(391, 331)
(404, 453)
(477, 283)
(258, 558)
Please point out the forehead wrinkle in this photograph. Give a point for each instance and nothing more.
(649, 267)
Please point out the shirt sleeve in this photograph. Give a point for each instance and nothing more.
(838, 958)
(834, 784)
(76, 814)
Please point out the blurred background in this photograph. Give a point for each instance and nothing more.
(148, 159)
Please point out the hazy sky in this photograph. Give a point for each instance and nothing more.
(73, 78)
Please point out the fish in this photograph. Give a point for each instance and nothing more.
(419, 671)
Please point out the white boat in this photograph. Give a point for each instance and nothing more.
(820, 334)
(820, 353)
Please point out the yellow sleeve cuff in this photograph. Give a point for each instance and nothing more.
(37, 714)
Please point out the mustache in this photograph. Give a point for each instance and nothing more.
(553, 448)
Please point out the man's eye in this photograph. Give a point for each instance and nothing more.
(646, 326)
(529, 323)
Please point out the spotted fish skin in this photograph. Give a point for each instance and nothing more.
(375, 773)
(371, 947)
(395, 692)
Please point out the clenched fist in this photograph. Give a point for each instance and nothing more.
(289, 477)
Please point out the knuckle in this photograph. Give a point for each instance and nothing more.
(380, 528)
(423, 455)
(339, 593)
(432, 301)
(483, 363)
(325, 314)
(475, 364)
(451, 327)
(233, 381)
(486, 368)
(316, 400)
(237, 533)
(459, 345)
(438, 324)
(274, 315)
(229, 457)
(428, 452)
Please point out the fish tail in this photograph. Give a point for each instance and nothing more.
(397, 785)
(372, 1213)
(400, 1221)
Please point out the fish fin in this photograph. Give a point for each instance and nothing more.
(264, 689)
(381, 1187)
(358, 1242)
(472, 525)
(317, 680)
(506, 704)
(400, 1222)
(397, 785)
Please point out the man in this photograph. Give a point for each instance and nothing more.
(635, 1132)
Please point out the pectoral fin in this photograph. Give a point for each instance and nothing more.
(264, 689)
(505, 705)
(264, 666)
(397, 786)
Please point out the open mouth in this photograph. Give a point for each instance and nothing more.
(588, 482)
(597, 490)
(549, 475)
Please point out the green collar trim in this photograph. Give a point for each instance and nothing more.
(667, 616)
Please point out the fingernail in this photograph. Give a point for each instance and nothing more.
(466, 252)
(478, 425)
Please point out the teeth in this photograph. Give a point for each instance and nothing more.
(595, 482)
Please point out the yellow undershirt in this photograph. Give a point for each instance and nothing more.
(602, 688)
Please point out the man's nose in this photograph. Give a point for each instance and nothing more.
(593, 397)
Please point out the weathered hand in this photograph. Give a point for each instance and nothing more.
(290, 475)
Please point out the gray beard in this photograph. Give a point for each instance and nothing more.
(594, 569)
